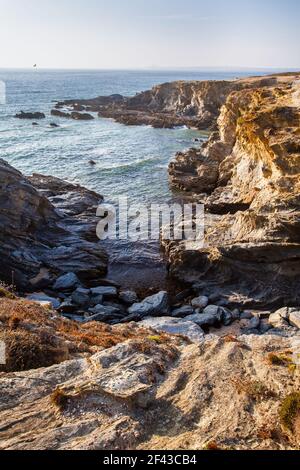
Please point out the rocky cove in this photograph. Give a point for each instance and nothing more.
(233, 302)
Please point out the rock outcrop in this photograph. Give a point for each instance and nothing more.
(248, 176)
(29, 115)
(94, 387)
(47, 228)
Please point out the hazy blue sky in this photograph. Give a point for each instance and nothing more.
(152, 33)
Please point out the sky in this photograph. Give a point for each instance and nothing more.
(133, 34)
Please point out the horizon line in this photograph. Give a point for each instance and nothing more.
(160, 68)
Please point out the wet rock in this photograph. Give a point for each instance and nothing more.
(92, 162)
(156, 305)
(254, 323)
(42, 299)
(175, 326)
(62, 114)
(183, 311)
(81, 296)
(29, 115)
(129, 297)
(66, 282)
(200, 302)
(81, 116)
(54, 125)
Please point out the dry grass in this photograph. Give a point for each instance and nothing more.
(279, 359)
(36, 337)
(290, 413)
(255, 390)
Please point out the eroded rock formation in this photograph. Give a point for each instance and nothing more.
(47, 228)
(248, 176)
(127, 387)
(195, 104)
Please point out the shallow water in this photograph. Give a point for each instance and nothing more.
(130, 161)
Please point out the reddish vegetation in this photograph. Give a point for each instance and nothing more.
(36, 337)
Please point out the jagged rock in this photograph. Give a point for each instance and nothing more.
(175, 326)
(47, 229)
(156, 305)
(66, 282)
(200, 302)
(183, 311)
(128, 297)
(36, 115)
(43, 299)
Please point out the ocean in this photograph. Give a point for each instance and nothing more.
(130, 161)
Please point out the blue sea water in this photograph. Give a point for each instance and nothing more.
(130, 161)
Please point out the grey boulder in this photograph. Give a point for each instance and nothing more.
(105, 291)
(156, 305)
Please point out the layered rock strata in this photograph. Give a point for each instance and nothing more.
(194, 104)
(47, 228)
(248, 176)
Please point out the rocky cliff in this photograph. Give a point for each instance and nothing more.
(47, 228)
(195, 104)
(248, 176)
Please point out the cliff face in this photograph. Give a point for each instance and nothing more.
(47, 228)
(249, 177)
(195, 104)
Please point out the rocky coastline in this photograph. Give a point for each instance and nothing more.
(229, 340)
